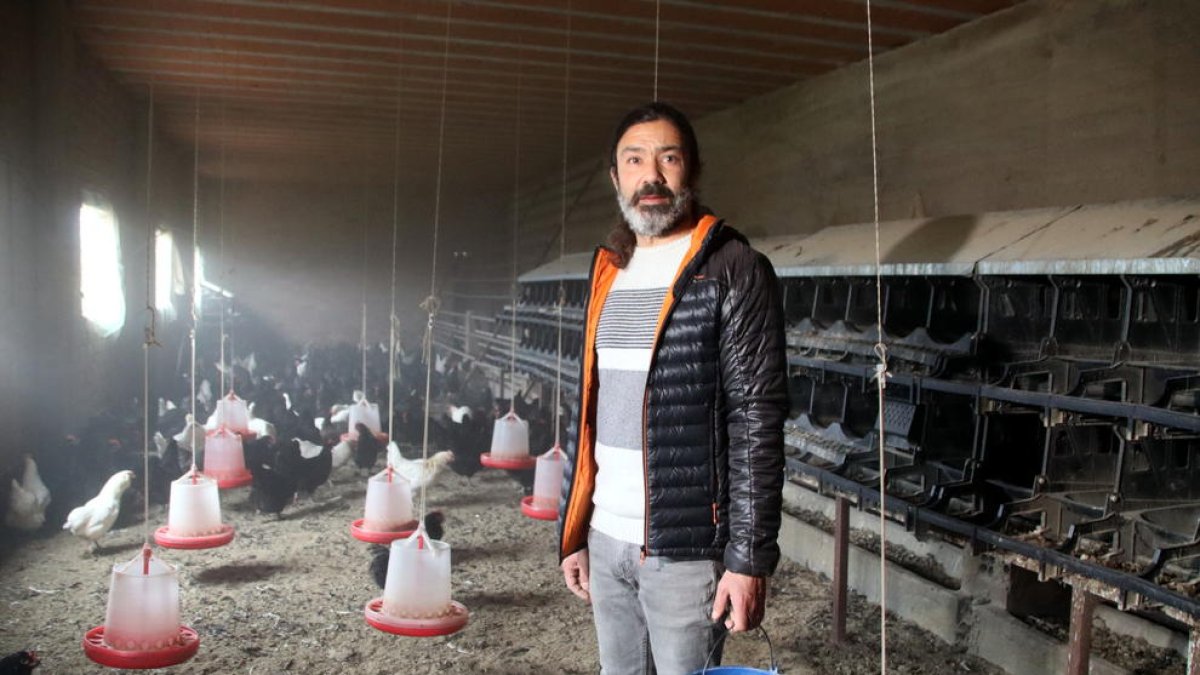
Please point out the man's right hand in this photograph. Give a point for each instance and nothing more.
(575, 571)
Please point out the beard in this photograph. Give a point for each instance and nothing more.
(655, 219)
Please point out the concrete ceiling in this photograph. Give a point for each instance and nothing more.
(309, 90)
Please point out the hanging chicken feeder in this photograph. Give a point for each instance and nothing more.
(194, 515)
(366, 413)
(141, 625)
(225, 460)
(416, 597)
(362, 412)
(388, 512)
(233, 414)
(547, 486)
(510, 445)
(191, 433)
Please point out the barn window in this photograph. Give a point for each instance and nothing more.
(101, 286)
(168, 274)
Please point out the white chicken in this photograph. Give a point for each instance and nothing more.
(28, 500)
(32, 481)
(184, 438)
(458, 413)
(419, 472)
(23, 512)
(340, 412)
(95, 518)
(341, 454)
(261, 427)
(250, 363)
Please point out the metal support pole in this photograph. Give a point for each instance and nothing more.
(1193, 655)
(468, 342)
(1083, 605)
(841, 559)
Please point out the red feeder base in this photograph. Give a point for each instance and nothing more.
(235, 481)
(515, 464)
(377, 537)
(442, 625)
(541, 514)
(353, 437)
(167, 540)
(96, 650)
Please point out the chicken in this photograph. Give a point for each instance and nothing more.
(32, 481)
(19, 663)
(367, 447)
(23, 512)
(93, 520)
(314, 467)
(28, 499)
(250, 363)
(382, 555)
(205, 395)
(184, 438)
(341, 454)
(419, 472)
(340, 413)
(261, 427)
(469, 435)
(273, 486)
(166, 464)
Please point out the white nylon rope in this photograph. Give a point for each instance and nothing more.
(512, 377)
(151, 340)
(395, 231)
(562, 226)
(195, 268)
(881, 373)
(431, 303)
(221, 251)
(657, 15)
(366, 212)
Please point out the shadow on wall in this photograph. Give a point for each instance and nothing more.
(938, 240)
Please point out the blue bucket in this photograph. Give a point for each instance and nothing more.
(739, 670)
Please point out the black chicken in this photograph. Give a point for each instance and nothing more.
(21, 663)
(469, 438)
(274, 481)
(366, 447)
(381, 555)
(314, 467)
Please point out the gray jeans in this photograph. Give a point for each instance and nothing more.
(652, 616)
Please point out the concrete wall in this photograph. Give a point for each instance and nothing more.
(16, 214)
(1048, 103)
(65, 126)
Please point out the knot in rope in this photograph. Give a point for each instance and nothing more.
(151, 328)
(881, 371)
(431, 305)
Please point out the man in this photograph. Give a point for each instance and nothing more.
(670, 520)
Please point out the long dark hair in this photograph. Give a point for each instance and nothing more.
(622, 240)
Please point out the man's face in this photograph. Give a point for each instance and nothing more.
(652, 178)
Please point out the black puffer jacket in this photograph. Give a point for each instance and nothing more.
(716, 399)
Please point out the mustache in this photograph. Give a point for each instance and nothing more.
(653, 190)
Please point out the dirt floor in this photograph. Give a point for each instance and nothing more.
(287, 596)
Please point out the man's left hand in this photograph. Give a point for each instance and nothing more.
(746, 599)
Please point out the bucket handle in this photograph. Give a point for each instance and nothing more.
(770, 649)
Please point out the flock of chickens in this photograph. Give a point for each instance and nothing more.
(299, 412)
(302, 440)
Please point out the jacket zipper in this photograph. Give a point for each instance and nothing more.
(582, 413)
(686, 272)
